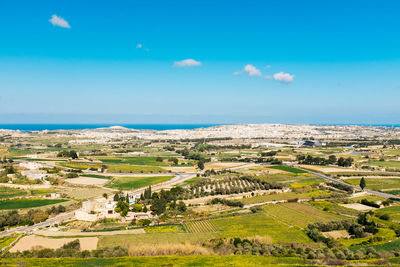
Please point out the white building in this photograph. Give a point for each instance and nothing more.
(93, 210)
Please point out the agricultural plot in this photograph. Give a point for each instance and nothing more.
(127, 183)
(8, 192)
(154, 238)
(27, 203)
(385, 234)
(334, 208)
(124, 168)
(393, 212)
(165, 229)
(298, 214)
(307, 182)
(287, 169)
(202, 226)
(392, 164)
(378, 183)
(150, 161)
(259, 224)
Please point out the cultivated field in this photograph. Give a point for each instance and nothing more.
(36, 242)
(127, 183)
(299, 214)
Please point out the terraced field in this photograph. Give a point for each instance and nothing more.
(203, 226)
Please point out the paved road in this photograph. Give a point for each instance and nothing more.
(376, 193)
(52, 221)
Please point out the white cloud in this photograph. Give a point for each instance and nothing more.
(139, 46)
(187, 63)
(251, 70)
(283, 77)
(59, 21)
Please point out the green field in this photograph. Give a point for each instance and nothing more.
(393, 164)
(287, 169)
(127, 183)
(307, 182)
(386, 234)
(299, 214)
(27, 203)
(96, 176)
(335, 208)
(377, 183)
(165, 229)
(150, 161)
(8, 192)
(394, 212)
(154, 238)
(195, 260)
(258, 224)
(124, 168)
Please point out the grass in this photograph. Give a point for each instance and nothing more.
(388, 246)
(287, 169)
(127, 183)
(377, 183)
(193, 260)
(165, 229)
(258, 224)
(27, 203)
(299, 214)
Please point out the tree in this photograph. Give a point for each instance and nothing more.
(105, 195)
(181, 206)
(200, 165)
(116, 197)
(159, 159)
(362, 183)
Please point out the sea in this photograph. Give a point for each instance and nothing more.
(158, 127)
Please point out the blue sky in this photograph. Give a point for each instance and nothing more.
(199, 61)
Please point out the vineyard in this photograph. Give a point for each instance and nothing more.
(203, 226)
(226, 186)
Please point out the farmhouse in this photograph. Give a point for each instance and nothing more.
(93, 210)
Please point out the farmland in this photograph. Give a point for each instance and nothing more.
(378, 183)
(127, 183)
(238, 198)
(27, 203)
(201, 226)
(258, 225)
(298, 214)
(287, 169)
